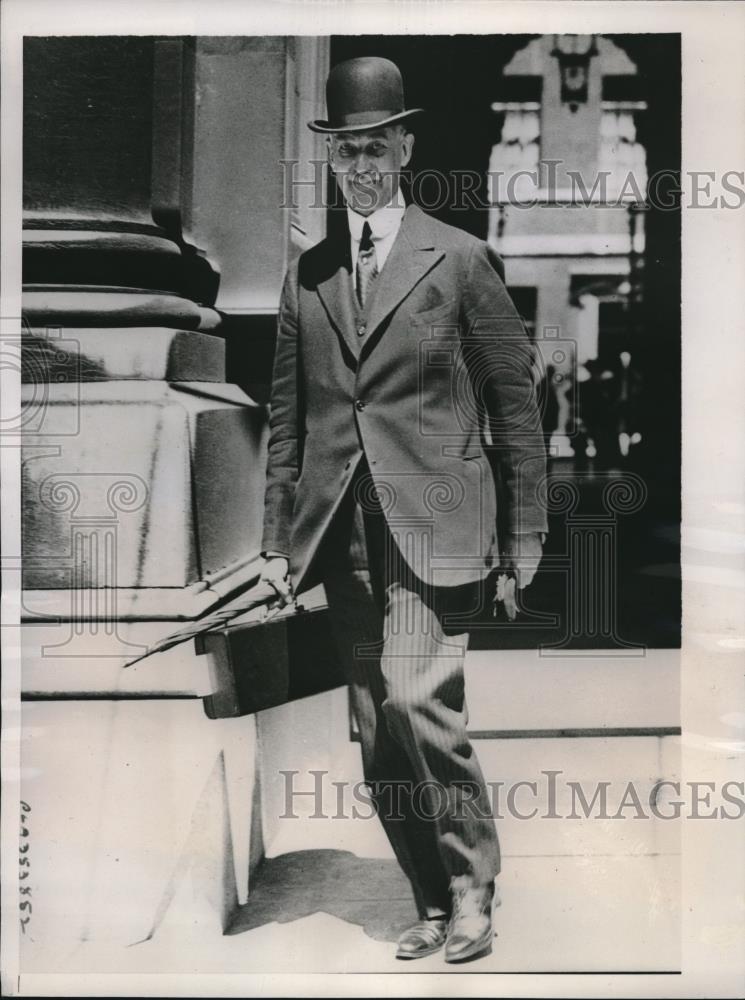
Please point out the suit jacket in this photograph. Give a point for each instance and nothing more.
(443, 371)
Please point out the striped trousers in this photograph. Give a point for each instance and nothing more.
(404, 667)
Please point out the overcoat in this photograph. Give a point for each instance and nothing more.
(436, 369)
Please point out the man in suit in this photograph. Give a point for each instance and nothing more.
(399, 359)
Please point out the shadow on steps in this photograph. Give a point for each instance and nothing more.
(370, 892)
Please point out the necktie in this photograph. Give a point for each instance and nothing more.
(367, 264)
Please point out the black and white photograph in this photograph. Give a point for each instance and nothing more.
(373, 498)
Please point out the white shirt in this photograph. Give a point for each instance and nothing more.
(384, 222)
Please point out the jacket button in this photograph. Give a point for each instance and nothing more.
(360, 405)
(361, 330)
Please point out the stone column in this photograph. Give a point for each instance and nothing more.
(143, 472)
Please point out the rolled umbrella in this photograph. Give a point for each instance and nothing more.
(260, 594)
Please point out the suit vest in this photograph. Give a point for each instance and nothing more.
(359, 313)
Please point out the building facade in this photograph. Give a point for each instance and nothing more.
(568, 183)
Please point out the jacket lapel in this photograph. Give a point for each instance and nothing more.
(335, 291)
(412, 255)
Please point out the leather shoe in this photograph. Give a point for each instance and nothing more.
(470, 932)
(425, 937)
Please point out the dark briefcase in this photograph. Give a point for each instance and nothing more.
(257, 664)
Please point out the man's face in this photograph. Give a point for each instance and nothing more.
(367, 165)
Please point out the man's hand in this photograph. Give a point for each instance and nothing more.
(521, 554)
(276, 572)
(518, 563)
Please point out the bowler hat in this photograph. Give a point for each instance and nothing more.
(362, 94)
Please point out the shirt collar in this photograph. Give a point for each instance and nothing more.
(383, 221)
